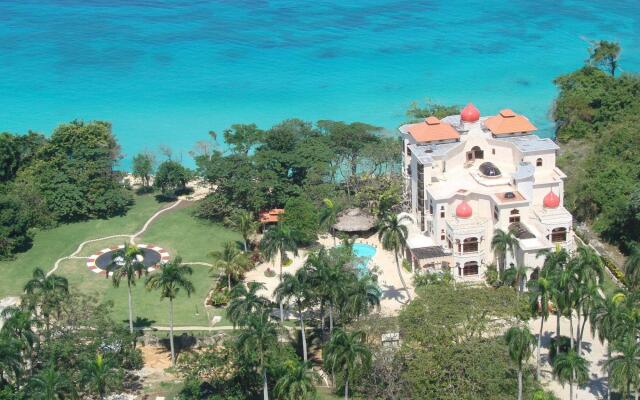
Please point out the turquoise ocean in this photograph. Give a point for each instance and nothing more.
(165, 73)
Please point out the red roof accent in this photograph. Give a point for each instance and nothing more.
(464, 210)
(470, 113)
(432, 129)
(551, 200)
(508, 122)
(270, 216)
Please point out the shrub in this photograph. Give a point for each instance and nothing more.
(269, 273)
(613, 268)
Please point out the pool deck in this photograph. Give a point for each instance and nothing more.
(394, 295)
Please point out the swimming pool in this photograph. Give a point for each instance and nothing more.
(365, 253)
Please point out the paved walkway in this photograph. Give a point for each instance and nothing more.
(593, 351)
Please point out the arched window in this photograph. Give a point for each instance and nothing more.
(558, 235)
(539, 162)
(477, 152)
(470, 245)
(442, 236)
(514, 216)
(470, 268)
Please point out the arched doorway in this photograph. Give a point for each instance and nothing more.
(475, 153)
(470, 268)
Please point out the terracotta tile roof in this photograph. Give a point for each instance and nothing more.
(270, 216)
(432, 129)
(508, 122)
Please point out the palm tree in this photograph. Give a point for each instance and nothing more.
(539, 299)
(393, 236)
(131, 268)
(520, 342)
(589, 272)
(503, 243)
(100, 376)
(245, 302)
(297, 383)
(571, 367)
(329, 217)
(516, 276)
(296, 287)
(632, 267)
(257, 339)
(10, 360)
(244, 222)
(605, 320)
(325, 269)
(47, 291)
(279, 240)
(347, 353)
(554, 267)
(171, 278)
(50, 384)
(362, 294)
(230, 260)
(19, 324)
(624, 367)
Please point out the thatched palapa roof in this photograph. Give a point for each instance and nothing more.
(354, 220)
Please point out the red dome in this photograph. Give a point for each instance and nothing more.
(551, 200)
(463, 210)
(470, 113)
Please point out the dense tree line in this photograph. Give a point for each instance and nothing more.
(67, 177)
(61, 345)
(265, 169)
(597, 118)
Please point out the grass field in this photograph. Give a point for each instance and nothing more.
(177, 231)
(50, 245)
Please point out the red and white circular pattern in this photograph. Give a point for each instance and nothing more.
(164, 257)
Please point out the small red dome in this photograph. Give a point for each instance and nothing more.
(551, 200)
(470, 113)
(463, 210)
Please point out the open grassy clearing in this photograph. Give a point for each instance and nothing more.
(177, 231)
(50, 245)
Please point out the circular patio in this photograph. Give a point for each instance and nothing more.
(152, 256)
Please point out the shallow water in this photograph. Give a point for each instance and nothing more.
(168, 72)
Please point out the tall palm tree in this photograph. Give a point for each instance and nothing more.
(10, 360)
(230, 260)
(100, 376)
(130, 268)
(632, 267)
(605, 320)
(571, 367)
(329, 217)
(520, 342)
(170, 280)
(393, 236)
(277, 241)
(49, 384)
(325, 269)
(297, 288)
(503, 243)
(539, 299)
(624, 366)
(346, 353)
(554, 267)
(589, 273)
(297, 383)
(257, 339)
(362, 294)
(516, 276)
(47, 292)
(244, 222)
(245, 302)
(20, 325)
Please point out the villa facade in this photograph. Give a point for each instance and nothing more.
(467, 176)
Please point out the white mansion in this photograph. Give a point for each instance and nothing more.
(467, 176)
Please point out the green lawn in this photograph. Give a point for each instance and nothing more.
(177, 231)
(50, 245)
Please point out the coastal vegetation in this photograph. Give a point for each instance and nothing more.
(597, 119)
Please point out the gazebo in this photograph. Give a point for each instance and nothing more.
(354, 220)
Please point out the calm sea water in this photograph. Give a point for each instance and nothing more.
(168, 72)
